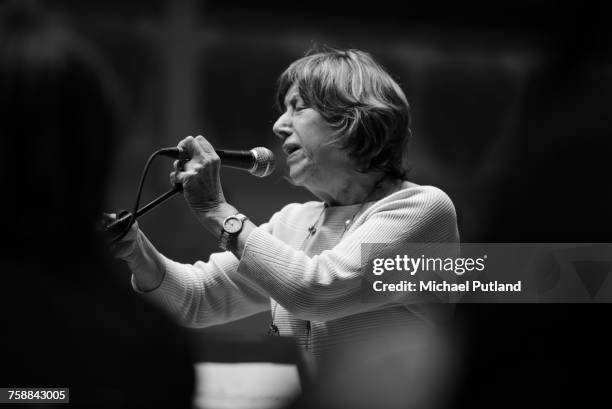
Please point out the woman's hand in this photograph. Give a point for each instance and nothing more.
(144, 260)
(122, 249)
(200, 177)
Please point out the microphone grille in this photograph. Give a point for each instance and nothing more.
(264, 162)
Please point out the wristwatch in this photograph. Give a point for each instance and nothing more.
(231, 228)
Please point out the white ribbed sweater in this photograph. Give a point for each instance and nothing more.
(313, 284)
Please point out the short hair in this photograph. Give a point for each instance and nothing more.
(359, 100)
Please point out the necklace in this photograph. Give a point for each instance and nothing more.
(312, 230)
(350, 221)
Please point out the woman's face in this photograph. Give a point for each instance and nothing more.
(313, 162)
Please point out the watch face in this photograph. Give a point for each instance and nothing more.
(232, 225)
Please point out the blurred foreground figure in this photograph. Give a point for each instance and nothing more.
(65, 321)
(396, 369)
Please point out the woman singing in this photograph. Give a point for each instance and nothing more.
(344, 128)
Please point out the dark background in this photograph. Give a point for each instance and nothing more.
(511, 116)
(510, 103)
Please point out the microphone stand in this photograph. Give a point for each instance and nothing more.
(159, 200)
(117, 228)
(260, 163)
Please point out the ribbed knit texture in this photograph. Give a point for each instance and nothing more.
(313, 284)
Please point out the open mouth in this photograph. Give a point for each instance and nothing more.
(289, 148)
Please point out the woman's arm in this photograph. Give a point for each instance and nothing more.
(142, 258)
(202, 294)
(337, 283)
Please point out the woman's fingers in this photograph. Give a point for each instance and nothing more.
(109, 217)
(196, 147)
(124, 248)
(205, 145)
(185, 143)
(200, 176)
(179, 177)
(179, 164)
(201, 153)
(199, 150)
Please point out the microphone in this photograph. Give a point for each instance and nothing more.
(258, 161)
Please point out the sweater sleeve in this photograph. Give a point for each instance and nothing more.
(203, 293)
(333, 284)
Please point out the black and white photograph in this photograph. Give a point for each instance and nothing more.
(298, 205)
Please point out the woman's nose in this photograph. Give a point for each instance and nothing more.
(282, 126)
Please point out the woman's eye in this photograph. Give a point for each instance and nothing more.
(297, 106)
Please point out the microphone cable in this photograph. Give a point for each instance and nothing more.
(177, 188)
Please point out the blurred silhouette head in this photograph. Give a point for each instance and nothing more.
(58, 110)
(365, 107)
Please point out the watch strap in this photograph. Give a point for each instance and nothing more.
(227, 240)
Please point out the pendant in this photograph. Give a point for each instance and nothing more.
(273, 330)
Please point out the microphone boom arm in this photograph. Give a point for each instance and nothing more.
(258, 161)
(116, 229)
